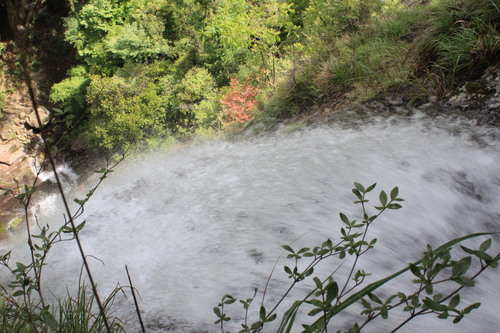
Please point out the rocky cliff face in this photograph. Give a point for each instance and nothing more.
(479, 99)
(19, 151)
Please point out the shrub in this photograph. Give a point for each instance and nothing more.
(197, 96)
(121, 112)
(69, 94)
(239, 102)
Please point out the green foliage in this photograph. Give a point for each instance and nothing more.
(138, 41)
(197, 96)
(330, 296)
(141, 102)
(89, 25)
(363, 48)
(462, 35)
(296, 52)
(325, 21)
(70, 95)
(123, 111)
(22, 303)
(75, 314)
(241, 31)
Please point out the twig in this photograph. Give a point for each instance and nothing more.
(137, 310)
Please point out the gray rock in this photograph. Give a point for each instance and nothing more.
(44, 117)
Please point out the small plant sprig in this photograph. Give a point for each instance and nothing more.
(19, 302)
(331, 296)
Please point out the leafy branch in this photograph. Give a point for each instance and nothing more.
(331, 296)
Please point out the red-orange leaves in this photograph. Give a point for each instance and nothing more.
(239, 102)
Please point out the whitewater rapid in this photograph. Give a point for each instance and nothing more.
(206, 220)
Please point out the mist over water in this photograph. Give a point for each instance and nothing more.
(208, 220)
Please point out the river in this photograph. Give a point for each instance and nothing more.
(206, 220)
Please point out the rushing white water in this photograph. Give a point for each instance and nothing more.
(209, 219)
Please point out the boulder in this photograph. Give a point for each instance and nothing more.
(32, 122)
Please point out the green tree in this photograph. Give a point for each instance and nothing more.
(88, 26)
(122, 111)
(196, 95)
(242, 31)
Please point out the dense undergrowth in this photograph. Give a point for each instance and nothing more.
(149, 70)
(427, 47)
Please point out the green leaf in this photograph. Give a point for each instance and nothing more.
(463, 281)
(80, 202)
(18, 293)
(256, 325)
(80, 226)
(485, 245)
(394, 193)
(305, 249)
(383, 198)
(415, 270)
(262, 313)
(288, 248)
(429, 288)
(318, 282)
(465, 249)
(20, 266)
(332, 292)
(434, 305)
(315, 302)
(314, 311)
(344, 218)
(384, 313)
(328, 243)
(483, 255)
(471, 307)
(357, 194)
(359, 187)
(455, 300)
(371, 187)
(49, 319)
(375, 298)
(229, 300)
(366, 304)
(459, 268)
(217, 312)
(394, 206)
(271, 318)
(443, 315)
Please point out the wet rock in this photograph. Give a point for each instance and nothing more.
(478, 99)
(44, 118)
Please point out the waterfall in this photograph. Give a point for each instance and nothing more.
(207, 220)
